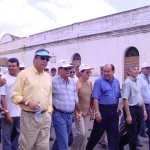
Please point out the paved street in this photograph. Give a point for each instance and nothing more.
(144, 141)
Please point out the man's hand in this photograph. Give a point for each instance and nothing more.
(129, 119)
(78, 117)
(33, 105)
(8, 118)
(98, 116)
(2, 82)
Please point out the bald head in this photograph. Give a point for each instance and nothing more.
(108, 71)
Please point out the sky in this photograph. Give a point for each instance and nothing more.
(27, 17)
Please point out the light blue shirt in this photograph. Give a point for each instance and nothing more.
(64, 95)
(132, 91)
(107, 92)
(145, 87)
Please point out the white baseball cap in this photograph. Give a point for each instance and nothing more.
(21, 64)
(63, 64)
(47, 67)
(84, 67)
(145, 65)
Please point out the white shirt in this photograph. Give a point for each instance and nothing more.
(14, 110)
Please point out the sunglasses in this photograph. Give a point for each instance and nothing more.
(67, 69)
(21, 68)
(44, 58)
(46, 69)
(72, 71)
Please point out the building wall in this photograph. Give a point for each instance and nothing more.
(98, 41)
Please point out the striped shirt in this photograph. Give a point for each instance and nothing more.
(64, 95)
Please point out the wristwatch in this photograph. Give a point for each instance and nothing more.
(26, 103)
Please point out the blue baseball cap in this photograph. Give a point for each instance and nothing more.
(42, 52)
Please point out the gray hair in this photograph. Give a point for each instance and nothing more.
(130, 67)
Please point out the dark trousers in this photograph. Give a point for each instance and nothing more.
(132, 129)
(109, 122)
(148, 121)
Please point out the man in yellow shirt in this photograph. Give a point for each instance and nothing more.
(32, 91)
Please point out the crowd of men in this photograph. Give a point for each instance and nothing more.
(32, 101)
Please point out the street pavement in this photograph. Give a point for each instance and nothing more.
(144, 141)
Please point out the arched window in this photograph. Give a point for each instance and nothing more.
(132, 51)
(131, 57)
(76, 59)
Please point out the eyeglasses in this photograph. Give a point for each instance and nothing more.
(67, 69)
(44, 58)
(88, 72)
(72, 71)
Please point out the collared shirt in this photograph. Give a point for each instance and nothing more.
(132, 91)
(64, 95)
(107, 92)
(32, 86)
(5, 90)
(145, 87)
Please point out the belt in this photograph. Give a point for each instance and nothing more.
(146, 104)
(68, 113)
(135, 106)
(33, 112)
(108, 106)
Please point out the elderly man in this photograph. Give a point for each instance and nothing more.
(64, 101)
(32, 91)
(53, 72)
(145, 83)
(106, 94)
(133, 107)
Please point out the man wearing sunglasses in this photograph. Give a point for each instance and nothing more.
(65, 100)
(32, 91)
(72, 72)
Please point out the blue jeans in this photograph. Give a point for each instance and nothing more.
(62, 123)
(7, 131)
(148, 122)
(71, 135)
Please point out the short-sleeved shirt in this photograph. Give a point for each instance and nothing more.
(64, 95)
(14, 110)
(145, 87)
(132, 91)
(107, 92)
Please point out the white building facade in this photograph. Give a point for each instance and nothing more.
(120, 39)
